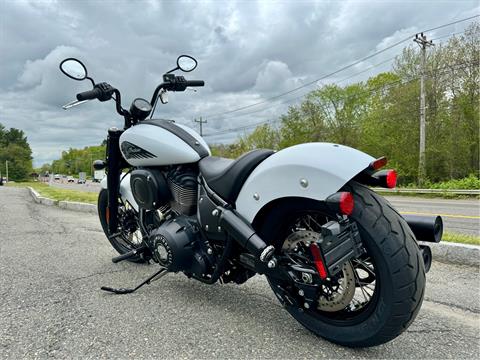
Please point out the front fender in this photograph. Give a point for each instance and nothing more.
(312, 170)
(125, 190)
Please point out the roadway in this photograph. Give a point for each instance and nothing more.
(53, 264)
(459, 216)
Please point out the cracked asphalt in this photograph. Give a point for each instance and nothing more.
(53, 262)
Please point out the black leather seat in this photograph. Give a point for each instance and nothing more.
(226, 176)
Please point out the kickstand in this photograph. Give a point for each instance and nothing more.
(162, 272)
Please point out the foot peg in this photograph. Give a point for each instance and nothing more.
(162, 272)
(129, 254)
(267, 253)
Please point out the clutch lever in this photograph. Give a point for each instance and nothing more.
(73, 103)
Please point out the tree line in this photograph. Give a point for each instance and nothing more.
(15, 153)
(74, 161)
(381, 115)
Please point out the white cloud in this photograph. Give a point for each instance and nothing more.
(247, 51)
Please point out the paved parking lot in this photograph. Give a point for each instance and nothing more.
(53, 262)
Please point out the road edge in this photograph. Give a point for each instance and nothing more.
(69, 205)
(454, 253)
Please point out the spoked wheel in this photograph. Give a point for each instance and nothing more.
(349, 292)
(373, 298)
(130, 236)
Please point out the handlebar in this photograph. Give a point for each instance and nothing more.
(195, 83)
(90, 94)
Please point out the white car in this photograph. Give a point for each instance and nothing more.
(57, 177)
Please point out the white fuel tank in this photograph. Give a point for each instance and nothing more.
(162, 142)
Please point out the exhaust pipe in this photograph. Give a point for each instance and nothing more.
(426, 228)
(427, 257)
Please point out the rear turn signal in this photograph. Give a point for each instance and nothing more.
(386, 178)
(341, 202)
(378, 163)
(391, 179)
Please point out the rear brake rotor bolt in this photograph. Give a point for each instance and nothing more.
(300, 292)
(271, 264)
(206, 227)
(209, 251)
(306, 305)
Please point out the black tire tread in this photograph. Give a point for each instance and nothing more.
(101, 206)
(406, 259)
(402, 263)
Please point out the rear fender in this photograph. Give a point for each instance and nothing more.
(312, 170)
(125, 190)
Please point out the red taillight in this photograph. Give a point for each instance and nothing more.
(341, 202)
(318, 261)
(346, 203)
(379, 163)
(391, 179)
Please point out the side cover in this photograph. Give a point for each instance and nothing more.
(312, 170)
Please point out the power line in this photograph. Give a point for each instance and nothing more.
(337, 71)
(304, 94)
(383, 87)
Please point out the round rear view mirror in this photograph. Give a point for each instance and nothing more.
(186, 63)
(74, 69)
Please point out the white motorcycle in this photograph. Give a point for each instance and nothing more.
(340, 259)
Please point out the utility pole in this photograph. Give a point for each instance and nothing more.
(422, 41)
(201, 121)
(6, 169)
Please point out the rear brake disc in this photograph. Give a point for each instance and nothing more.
(337, 293)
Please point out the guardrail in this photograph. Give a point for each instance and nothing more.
(429, 191)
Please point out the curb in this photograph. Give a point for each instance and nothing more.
(462, 254)
(453, 253)
(68, 205)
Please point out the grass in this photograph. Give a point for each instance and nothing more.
(91, 198)
(59, 194)
(461, 238)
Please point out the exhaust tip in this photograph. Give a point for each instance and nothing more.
(426, 228)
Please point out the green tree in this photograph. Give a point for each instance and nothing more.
(15, 150)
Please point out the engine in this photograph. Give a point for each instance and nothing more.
(177, 246)
(175, 242)
(175, 189)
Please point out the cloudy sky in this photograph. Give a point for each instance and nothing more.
(248, 51)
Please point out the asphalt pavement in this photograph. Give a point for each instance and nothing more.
(459, 216)
(53, 262)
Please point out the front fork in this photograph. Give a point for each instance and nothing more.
(114, 168)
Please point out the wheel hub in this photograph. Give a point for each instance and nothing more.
(337, 293)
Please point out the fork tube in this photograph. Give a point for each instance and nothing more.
(114, 167)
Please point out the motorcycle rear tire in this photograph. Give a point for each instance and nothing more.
(398, 262)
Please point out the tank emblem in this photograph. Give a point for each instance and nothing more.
(133, 151)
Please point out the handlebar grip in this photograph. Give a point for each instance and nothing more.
(195, 83)
(89, 95)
